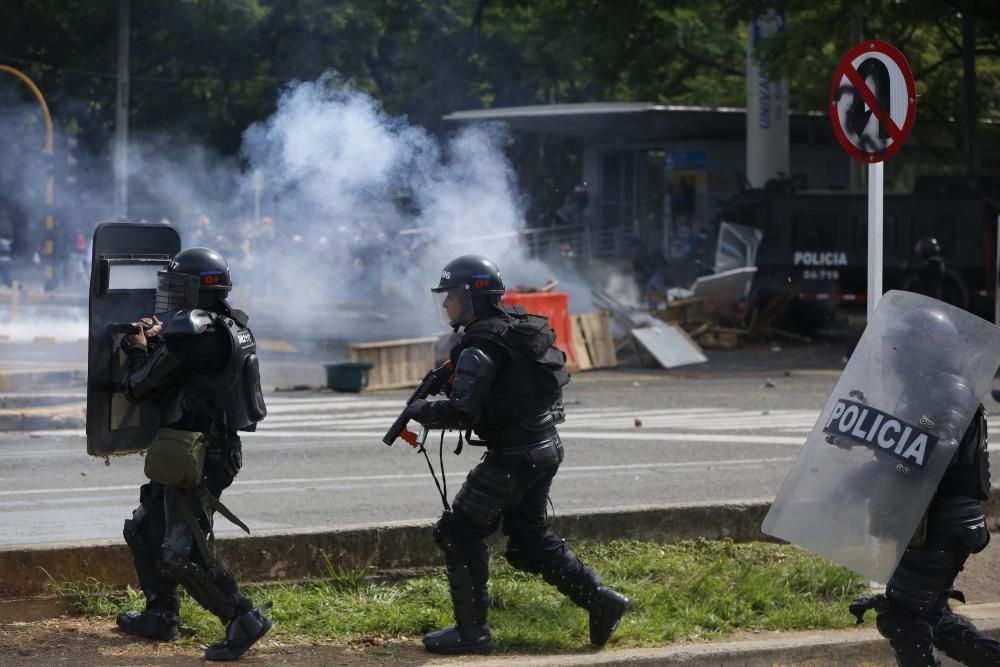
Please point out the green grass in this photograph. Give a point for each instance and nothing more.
(694, 589)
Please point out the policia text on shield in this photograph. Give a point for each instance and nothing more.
(180, 388)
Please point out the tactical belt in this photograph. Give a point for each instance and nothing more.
(519, 443)
(507, 454)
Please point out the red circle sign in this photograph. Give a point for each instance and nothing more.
(873, 101)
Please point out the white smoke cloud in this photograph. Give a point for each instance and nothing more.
(366, 209)
(389, 201)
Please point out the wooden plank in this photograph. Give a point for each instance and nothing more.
(398, 363)
(580, 344)
(600, 345)
(391, 343)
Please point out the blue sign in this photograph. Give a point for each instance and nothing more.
(685, 161)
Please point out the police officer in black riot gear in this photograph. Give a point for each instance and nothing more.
(927, 269)
(200, 367)
(913, 614)
(507, 387)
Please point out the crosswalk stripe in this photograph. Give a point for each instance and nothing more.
(344, 416)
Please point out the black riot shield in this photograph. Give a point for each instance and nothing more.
(126, 259)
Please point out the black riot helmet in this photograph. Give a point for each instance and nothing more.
(930, 340)
(473, 284)
(927, 248)
(195, 278)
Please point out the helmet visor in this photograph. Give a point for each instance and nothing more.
(175, 291)
(453, 306)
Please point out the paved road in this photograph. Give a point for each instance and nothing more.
(317, 460)
(718, 431)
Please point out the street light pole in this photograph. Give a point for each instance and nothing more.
(49, 238)
(121, 114)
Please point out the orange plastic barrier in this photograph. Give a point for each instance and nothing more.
(555, 306)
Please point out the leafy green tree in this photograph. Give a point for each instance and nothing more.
(952, 46)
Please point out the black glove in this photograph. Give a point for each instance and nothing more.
(418, 410)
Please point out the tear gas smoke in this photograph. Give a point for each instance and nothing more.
(358, 212)
(378, 206)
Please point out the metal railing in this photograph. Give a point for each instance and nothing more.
(579, 240)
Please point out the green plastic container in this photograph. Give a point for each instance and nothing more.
(348, 376)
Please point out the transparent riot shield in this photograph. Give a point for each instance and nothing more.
(882, 443)
(126, 258)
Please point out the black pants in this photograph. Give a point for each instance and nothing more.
(164, 548)
(512, 491)
(915, 616)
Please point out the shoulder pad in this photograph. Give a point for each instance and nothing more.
(187, 323)
(240, 317)
(473, 360)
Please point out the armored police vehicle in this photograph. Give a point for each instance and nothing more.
(814, 250)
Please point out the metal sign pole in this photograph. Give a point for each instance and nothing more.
(996, 281)
(875, 204)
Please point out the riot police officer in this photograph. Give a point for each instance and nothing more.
(927, 269)
(913, 614)
(507, 387)
(199, 366)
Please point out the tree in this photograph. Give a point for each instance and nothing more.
(953, 48)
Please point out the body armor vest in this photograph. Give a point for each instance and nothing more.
(231, 396)
(525, 398)
(235, 390)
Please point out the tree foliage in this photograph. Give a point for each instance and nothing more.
(203, 70)
(930, 35)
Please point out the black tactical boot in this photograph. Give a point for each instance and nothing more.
(607, 607)
(156, 623)
(470, 634)
(241, 633)
(455, 640)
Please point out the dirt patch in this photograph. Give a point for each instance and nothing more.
(76, 641)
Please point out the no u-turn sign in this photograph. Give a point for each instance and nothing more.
(873, 101)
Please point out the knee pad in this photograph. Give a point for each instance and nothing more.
(894, 625)
(133, 527)
(456, 537)
(483, 496)
(960, 520)
(922, 577)
(904, 629)
(443, 532)
(200, 585)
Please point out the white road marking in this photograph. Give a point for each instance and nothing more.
(298, 481)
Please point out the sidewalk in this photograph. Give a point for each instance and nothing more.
(91, 642)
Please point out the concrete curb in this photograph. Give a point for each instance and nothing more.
(862, 646)
(295, 554)
(290, 555)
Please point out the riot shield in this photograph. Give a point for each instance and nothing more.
(886, 436)
(126, 258)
